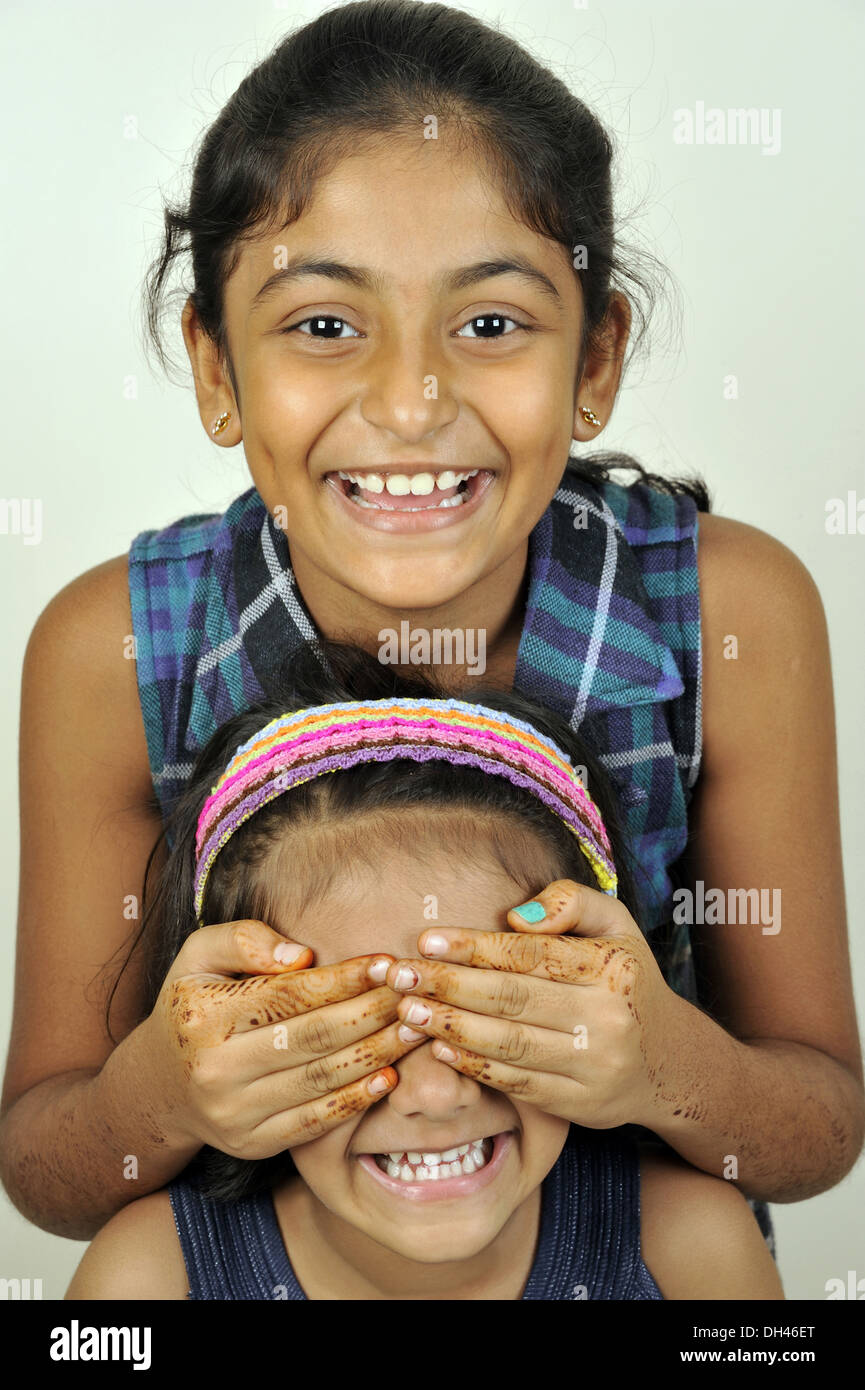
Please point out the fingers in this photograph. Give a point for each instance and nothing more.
(309, 1100)
(566, 959)
(573, 907)
(245, 947)
(288, 1130)
(497, 1039)
(290, 994)
(214, 1009)
(503, 993)
(554, 1094)
(293, 1042)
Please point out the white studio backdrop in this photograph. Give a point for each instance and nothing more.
(102, 104)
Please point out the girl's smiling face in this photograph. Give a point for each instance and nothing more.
(434, 1108)
(410, 349)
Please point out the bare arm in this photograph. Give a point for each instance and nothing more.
(698, 1235)
(87, 826)
(771, 1074)
(136, 1256)
(90, 1123)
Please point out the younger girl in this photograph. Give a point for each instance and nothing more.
(351, 821)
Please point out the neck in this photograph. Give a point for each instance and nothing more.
(334, 1260)
(488, 617)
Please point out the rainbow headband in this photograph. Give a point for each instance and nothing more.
(296, 747)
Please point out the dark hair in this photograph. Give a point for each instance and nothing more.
(375, 68)
(238, 888)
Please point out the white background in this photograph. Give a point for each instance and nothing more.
(766, 250)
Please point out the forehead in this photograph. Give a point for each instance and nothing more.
(443, 210)
(386, 906)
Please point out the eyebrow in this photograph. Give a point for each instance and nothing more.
(462, 278)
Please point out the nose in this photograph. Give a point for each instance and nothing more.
(408, 390)
(431, 1088)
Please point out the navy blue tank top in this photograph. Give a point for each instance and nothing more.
(588, 1239)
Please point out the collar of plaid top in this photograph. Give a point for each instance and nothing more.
(589, 641)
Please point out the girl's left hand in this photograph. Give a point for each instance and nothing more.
(579, 1025)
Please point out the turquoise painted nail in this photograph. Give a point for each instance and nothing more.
(531, 912)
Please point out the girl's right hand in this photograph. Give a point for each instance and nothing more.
(255, 1065)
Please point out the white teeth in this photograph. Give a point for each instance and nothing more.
(422, 484)
(464, 1159)
(401, 484)
(398, 485)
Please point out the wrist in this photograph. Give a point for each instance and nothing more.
(691, 1048)
(137, 1068)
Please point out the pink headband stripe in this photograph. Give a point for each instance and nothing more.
(239, 781)
(327, 725)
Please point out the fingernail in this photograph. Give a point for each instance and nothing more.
(378, 1084)
(405, 978)
(531, 912)
(417, 1012)
(444, 1053)
(409, 1034)
(435, 945)
(378, 970)
(287, 951)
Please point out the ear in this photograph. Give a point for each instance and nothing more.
(603, 369)
(213, 388)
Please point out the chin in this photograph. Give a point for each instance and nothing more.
(440, 1245)
(409, 584)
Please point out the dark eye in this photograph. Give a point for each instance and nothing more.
(321, 322)
(491, 323)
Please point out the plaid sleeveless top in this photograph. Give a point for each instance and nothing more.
(610, 642)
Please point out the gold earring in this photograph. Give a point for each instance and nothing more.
(589, 415)
(219, 425)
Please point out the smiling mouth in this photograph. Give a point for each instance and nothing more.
(417, 492)
(463, 1160)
